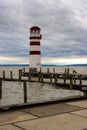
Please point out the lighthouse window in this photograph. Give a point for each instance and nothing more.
(33, 31)
(36, 31)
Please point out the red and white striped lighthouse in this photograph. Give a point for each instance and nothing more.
(35, 53)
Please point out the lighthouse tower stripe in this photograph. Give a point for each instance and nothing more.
(35, 38)
(34, 43)
(35, 53)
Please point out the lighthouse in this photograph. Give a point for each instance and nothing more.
(35, 53)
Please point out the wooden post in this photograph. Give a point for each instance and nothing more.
(50, 78)
(53, 70)
(74, 79)
(29, 69)
(29, 77)
(3, 74)
(80, 80)
(64, 78)
(11, 75)
(55, 78)
(41, 77)
(71, 83)
(40, 70)
(0, 89)
(47, 70)
(20, 73)
(25, 91)
(23, 69)
(32, 73)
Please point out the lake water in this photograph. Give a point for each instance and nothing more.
(36, 92)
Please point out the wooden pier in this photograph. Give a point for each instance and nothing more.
(72, 81)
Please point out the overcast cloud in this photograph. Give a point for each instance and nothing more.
(63, 26)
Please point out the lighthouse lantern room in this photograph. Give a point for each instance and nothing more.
(35, 53)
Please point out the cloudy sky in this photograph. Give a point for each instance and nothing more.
(63, 27)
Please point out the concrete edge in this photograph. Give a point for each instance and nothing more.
(29, 105)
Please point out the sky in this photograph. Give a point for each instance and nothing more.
(63, 26)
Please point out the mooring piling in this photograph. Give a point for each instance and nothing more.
(71, 83)
(25, 91)
(29, 77)
(20, 73)
(80, 80)
(24, 70)
(42, 78)
(0, 88)
(64, 78)
(50, 78)
(55, 78)
(11, 75)
(48, 70)
(4, 74)
(39, 76)
(53, 70)
(74, 80)
(40, 70)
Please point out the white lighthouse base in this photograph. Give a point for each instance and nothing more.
(35, 62)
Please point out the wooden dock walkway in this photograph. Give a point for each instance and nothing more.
(62, 79)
